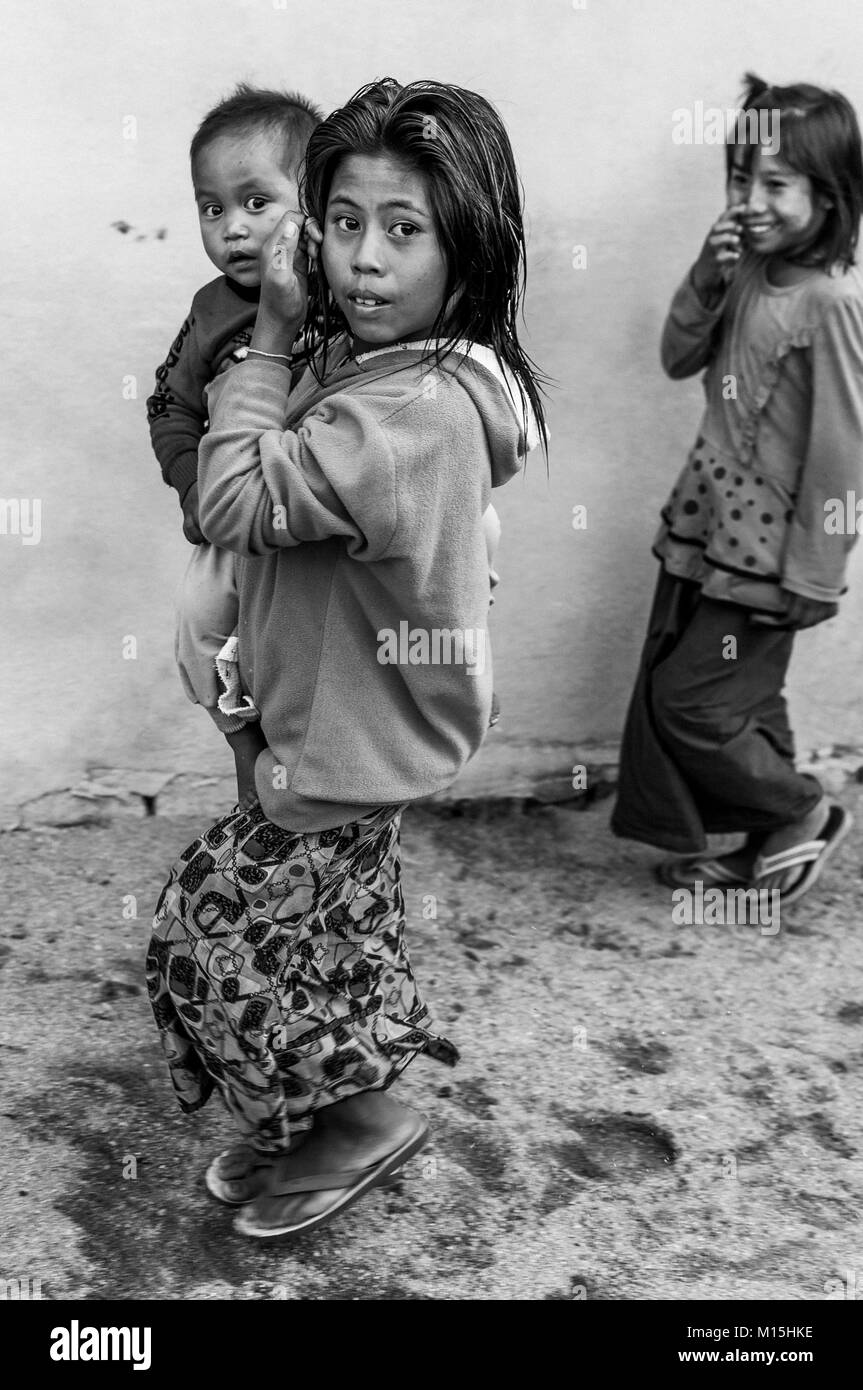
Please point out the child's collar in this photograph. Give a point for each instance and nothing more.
(251, 293)
(476, 352)
(417, 346)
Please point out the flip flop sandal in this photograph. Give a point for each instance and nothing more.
(811, 856)
(683, 873)
(351, 1186)
(249, 1178)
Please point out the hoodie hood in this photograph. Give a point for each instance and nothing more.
(510, 425)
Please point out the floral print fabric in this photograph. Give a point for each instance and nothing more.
(278, 972)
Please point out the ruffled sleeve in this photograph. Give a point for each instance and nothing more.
(771, 371)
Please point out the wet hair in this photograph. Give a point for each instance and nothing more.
(818, 135)
(253, 110)
(456, 141)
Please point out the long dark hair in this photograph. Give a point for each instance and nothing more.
(456, 140)
(818, 135)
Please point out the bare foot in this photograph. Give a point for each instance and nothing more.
(739, 863)
(351, 1135)
(809, 828)
(238, 1174)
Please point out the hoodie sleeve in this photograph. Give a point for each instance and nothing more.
(815, 558)
(263, 487)
(689, 332)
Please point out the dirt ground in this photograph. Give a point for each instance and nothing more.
(644, 1110)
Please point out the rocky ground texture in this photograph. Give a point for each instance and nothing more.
(643, 1110)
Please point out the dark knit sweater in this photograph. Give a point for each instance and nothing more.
(218, 327)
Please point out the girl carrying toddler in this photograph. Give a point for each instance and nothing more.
(354, 503)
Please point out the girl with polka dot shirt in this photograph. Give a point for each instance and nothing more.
(749, 549)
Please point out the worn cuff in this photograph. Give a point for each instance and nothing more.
(183, 472)
(234, 703)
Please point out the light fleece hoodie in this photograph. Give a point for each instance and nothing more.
(356, 508)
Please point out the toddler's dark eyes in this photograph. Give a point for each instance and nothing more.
(211, 210)
(256, 203)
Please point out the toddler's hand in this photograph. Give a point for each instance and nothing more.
(807, 612)
(284, 292)
(191, 529)
(720, 253)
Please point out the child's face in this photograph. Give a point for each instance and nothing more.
(781, 213)
(242, 192)
(381, 254)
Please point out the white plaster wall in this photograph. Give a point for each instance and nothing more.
(588, 95)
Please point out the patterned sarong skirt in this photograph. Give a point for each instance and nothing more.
(278, 972)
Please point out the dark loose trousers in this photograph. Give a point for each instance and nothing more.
(707, 747)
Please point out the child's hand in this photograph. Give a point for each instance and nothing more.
(807, 612)
(720, 253)
(191, 529)
(284, 292)
(246, 743)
